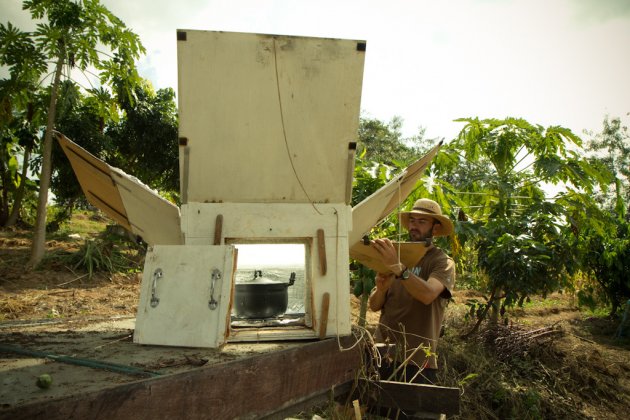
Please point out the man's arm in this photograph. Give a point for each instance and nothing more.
(378, 296)
(421, 290)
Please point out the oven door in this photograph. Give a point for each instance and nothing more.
(185, 297)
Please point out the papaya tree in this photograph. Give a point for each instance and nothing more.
(79, 34)
(603, 238)
(603, 243)
(493, 178)
(20, 117)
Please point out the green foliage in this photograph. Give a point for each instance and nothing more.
(611, 149)
(20, 120)
(95, 256)
(21, 54)
(604, 248)
(144, 141)
(491, 179)
(600, 224)
(83, 29)
(73, 34)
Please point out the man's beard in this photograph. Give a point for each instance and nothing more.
(416, 236)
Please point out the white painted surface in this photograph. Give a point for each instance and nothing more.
(152, 217)
(268, 118)
(124, 198)
(183, 316)
(283, 222)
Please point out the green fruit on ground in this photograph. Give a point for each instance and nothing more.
(44, 381)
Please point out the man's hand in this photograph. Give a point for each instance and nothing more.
(377, 298)
(384, 281)
(389, 255)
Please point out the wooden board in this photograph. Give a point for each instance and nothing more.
(124, 198)
(95, 178)
(254, 387)
(417, 397)
(267, 118)
(410, 255)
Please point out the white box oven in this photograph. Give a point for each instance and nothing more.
(268, 130)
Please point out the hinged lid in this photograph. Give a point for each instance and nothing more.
(267, 118)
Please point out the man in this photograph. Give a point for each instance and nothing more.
(412, 300)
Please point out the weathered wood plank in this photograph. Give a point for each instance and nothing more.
(417, 397)
(249, 388)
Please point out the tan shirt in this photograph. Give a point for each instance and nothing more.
(421, 323)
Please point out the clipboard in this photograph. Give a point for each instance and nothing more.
(410, 255)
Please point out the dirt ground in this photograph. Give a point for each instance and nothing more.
(45, 310)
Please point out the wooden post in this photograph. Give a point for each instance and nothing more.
(321, 251)
(323, 319)
(218, 229)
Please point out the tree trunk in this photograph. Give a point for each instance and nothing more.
(495, 308)
(4, 198)
(39, 235)
(483, 316)
(19, 194)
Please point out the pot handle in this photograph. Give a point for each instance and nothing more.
(292, 279)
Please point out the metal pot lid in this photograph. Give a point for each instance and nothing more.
(259, 279)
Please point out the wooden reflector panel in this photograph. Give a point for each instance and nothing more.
(410, 255)
(369, 212)
(125, 199)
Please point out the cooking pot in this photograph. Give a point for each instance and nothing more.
(261, 297)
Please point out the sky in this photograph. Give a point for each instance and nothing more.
(429, 62)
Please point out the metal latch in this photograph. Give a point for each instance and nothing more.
(216, 275)
(157, 274)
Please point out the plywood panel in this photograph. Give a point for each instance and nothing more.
(96, 181)
(182, 314)
(410, 254)
(152, 217)
(256, 220)
(124, 198)
(267, 118)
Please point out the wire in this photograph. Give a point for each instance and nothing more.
(130, 370)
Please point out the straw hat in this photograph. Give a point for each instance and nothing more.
(427, 207)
